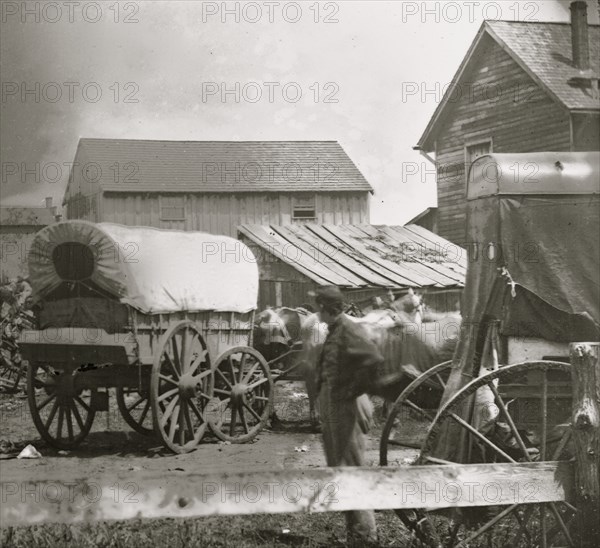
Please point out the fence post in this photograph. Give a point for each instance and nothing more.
(585, 372)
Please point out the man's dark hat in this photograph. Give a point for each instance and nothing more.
(329, 294)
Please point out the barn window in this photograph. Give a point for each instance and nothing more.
(474, 151)
(172, 208)
(304, 207)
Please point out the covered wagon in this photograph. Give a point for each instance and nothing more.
(163, 317)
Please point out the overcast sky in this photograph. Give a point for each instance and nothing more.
(160, 67)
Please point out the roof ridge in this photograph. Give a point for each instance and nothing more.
(535, 22)
(205, 141)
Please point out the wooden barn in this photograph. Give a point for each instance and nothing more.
(214, 186)
(363, 260)
(522, 87)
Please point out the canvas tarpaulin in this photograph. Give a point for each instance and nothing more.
(534, 264)
(155, 271)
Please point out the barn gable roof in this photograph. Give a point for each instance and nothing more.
(362, 256)
(543, 50)
(220, 166)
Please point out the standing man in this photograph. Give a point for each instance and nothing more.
(347, 365)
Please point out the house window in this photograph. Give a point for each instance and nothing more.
(172, 208)
(304, 207)
(474, 151)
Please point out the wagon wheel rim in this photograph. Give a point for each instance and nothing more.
(61, 409)
(181, 387)
(243, 395)
(533, 524)
(136, 409)
(404, 402)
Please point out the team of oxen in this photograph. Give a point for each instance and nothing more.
(411, 337)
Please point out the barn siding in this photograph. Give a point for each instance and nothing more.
(527, 120)
(223, 213)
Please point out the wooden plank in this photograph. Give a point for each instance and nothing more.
(346, 256)
(423, 275)
(430, 260)
(274, 244)
(585, 371)
(120, 497)
(366, 256)
(312, 253)
(335, 256)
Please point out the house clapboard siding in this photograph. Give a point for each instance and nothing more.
(517, 90)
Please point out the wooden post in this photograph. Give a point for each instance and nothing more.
(585, 361)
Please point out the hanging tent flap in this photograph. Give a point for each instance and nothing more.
(155, 271)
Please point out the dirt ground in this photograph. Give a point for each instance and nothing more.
(112, 445)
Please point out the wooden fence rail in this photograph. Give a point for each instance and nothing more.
(283, 491)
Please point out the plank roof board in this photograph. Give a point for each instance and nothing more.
(358, 256)
(222, 166)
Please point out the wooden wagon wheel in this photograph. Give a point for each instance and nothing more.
(135, 408)
(394, 433)
(515, 436)
(243, 390)
(180, 387)
(62, 411)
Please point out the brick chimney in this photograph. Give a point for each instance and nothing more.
(579, 35)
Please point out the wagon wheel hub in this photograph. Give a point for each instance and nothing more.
(188, 386)
(238, 393)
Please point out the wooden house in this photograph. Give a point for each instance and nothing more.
(522, 87)
(214, 186)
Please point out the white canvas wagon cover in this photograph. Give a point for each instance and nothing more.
(155, 271)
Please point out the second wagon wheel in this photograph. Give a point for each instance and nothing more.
(135, 408)
(243, 390)
(180, 387)
(410, 412)
(525, 419)
(61, 407)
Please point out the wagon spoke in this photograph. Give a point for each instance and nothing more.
(232, 420)
(418, 409)
(171, 364)
(69, 422)
(543, 525)
(232, 368)
(184, 349)
(167, 379)
(544, 411)
(254, 413)
(248, 375)
(51, 416)
(168, 410)
(242, 363)
(82, 403)
(167, 394)
(174, 422)
(487, 525)
(243, 419)
(77, 416)
(561, 522)
(46, 402)
(196, 411)
(145, 411)
(61, 418)
(510, 421)
(257, 383)
(181, 421)
(224, 378)
(188, 419)
(261, 398)
(435, 460)
(562, 444)
(481, 437)
(440, 380)
(176, 357)
(221, 391)
(201, 358)
(135, 403)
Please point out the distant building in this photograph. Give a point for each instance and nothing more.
(427, 219)
(18, 226)
(522, 87)
(214, 186)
